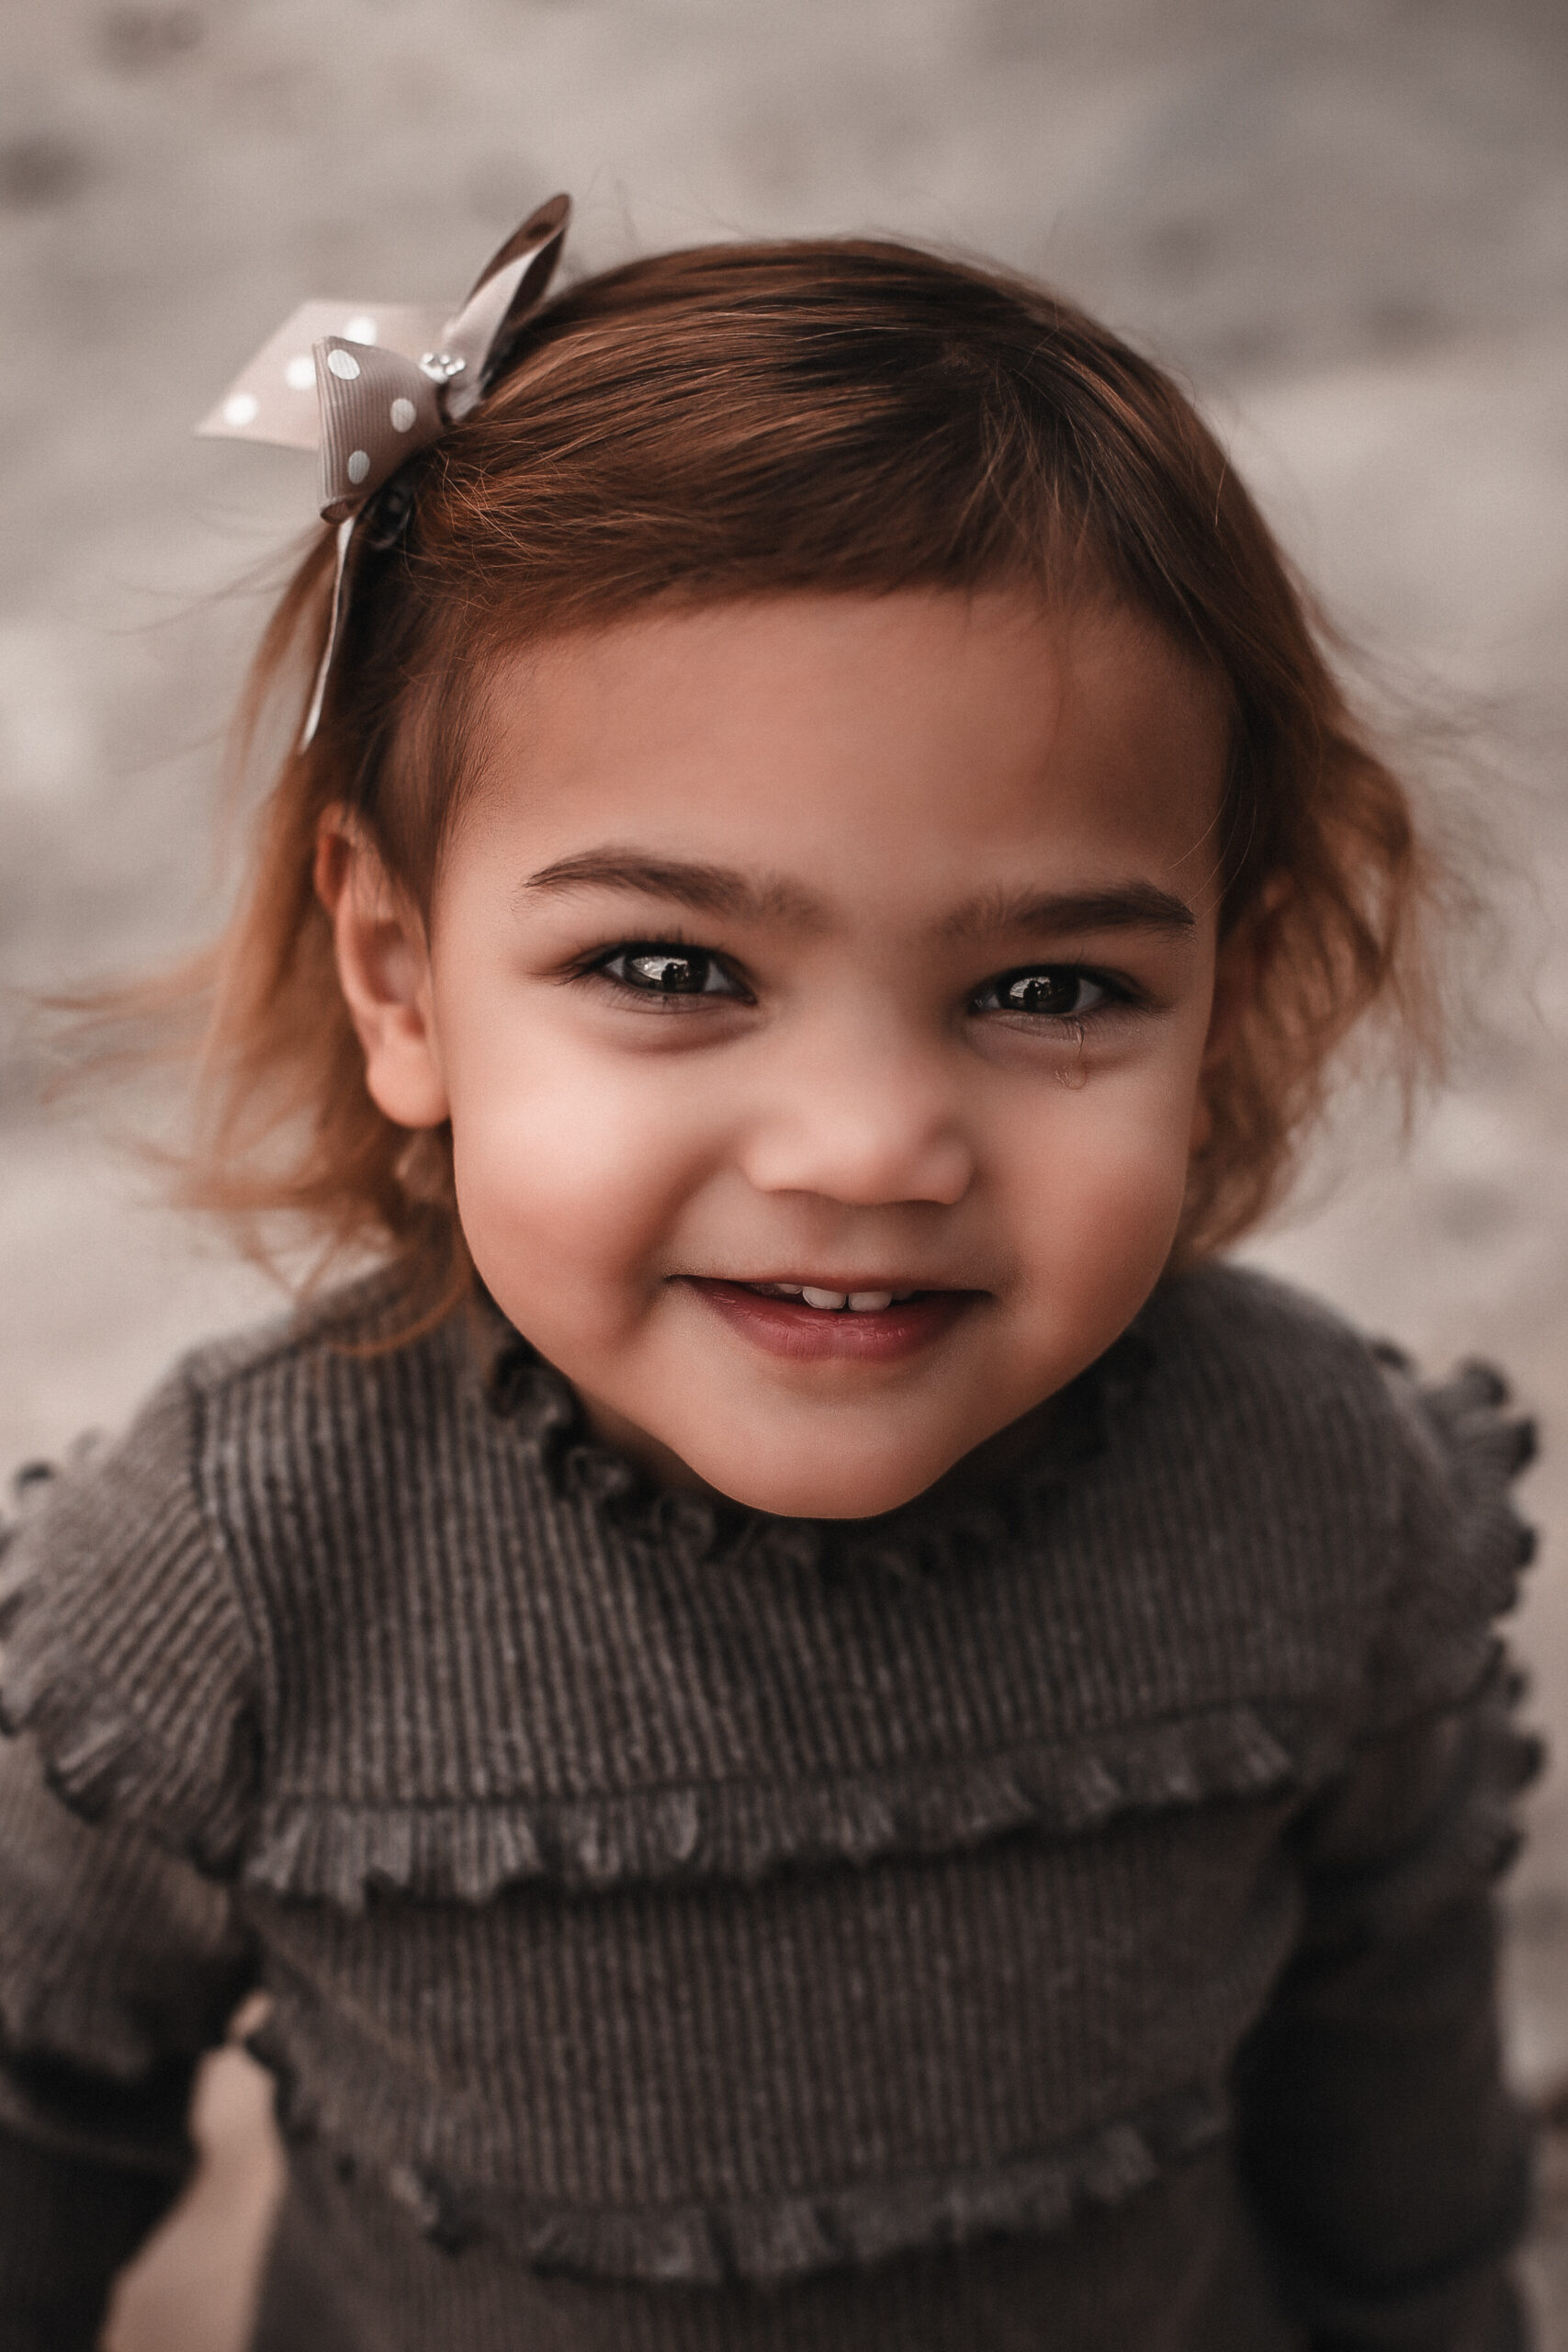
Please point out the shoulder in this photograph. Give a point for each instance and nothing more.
(1229, 1323)
(348, 1385)
(348, 1334)
(1238, 1350)
(1246, 1370)
(1364, 1479)
(318, 1449)
(132, 1645)
(264, 1399)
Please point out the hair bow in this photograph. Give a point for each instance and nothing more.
(370, 385)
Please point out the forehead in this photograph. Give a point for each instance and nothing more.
(913, 743)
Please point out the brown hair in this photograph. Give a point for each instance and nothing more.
(747, 420)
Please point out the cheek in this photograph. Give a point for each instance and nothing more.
(1098, 1190)
(569, 1168)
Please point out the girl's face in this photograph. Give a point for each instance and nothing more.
(817, 950)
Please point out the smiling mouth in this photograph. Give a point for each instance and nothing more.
(823, 1322)
(825, 1300)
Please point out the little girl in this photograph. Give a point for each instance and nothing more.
(819, 1727)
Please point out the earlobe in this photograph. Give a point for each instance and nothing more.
(383, 966)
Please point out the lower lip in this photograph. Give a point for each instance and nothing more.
(787, 1326)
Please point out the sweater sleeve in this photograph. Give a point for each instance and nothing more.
(1380, 2146)
(124, 1775)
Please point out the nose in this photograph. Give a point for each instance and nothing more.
(862, 1123)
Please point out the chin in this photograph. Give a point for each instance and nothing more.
(814, 1488)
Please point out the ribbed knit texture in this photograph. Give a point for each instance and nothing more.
(647, 1891)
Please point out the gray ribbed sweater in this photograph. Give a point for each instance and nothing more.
(1055, 1913)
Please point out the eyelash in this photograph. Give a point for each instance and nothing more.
(1115, 996)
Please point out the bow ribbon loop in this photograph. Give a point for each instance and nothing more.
(511, 283)
(389, 380)
(376, 409)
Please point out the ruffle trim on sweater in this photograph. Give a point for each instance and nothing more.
(96, 1756)
(941, 1533)
(1471, 1838)
(766, 2241)
(1487, 1448)
(94, 1750)
(101, 1759)
(1439, 1645)
(96, 1753)
(745, 1831)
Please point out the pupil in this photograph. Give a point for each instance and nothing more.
(674, 975)
(1041, 992)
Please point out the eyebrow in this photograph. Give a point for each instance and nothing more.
(1122, 906)
(706, 889)
(722, 890)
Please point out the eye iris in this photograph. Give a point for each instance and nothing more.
(1041, 992)
(672, 975)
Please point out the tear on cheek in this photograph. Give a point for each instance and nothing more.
(1072, 1070)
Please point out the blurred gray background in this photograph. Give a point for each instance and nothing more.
(1344, 222)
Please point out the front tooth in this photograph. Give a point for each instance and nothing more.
(868, 1302)
(824, 1297)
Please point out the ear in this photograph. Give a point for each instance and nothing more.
(383, 966)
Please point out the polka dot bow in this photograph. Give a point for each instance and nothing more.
(368, 385)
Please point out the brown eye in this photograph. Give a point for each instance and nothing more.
(657, 968)
(673, 975)
(1052, 992)
(1041, 992)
